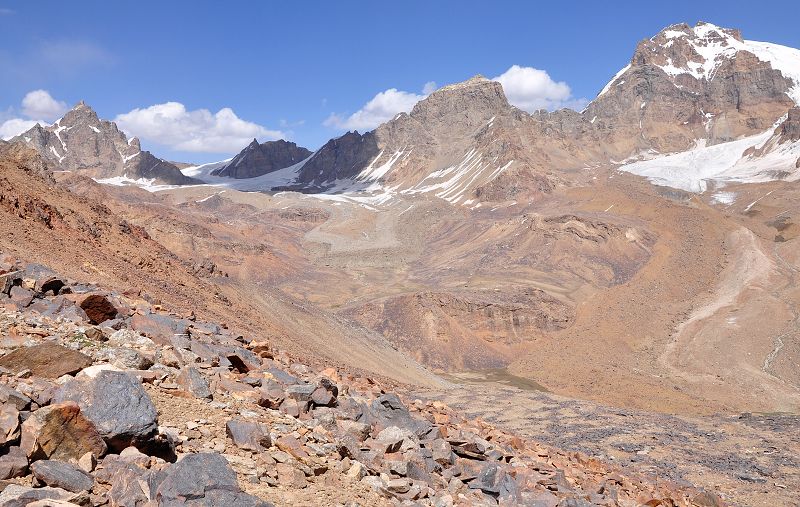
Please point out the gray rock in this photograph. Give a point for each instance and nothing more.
(160, 328)
(13, 464)
(118, 406)
(301, 392)
(62, 475)
(15, 495)
(442, 452)
(192, 381)
(124, 358)
(391, 439)
(203, 480)
(494, 480)
(21, 297)
(387, 410)
(248, 435)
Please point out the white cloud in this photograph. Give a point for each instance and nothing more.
(531, 89)
(40, 104)
(429, 87)
(15, 127)
(172, 125)
(382, 108)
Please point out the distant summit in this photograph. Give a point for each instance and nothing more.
(260, 159)
(82, 142)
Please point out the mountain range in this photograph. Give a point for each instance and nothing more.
(621, 282)
(685, 89)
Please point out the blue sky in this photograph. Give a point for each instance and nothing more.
(302, 70)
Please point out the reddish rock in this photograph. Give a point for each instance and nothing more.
(291, 445)
(21, 297)
(98, 308)
(290, 477)
(192, 381)
(60, 432)
(47, 360)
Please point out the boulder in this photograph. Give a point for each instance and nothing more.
(9, 280)
(240, 359)
(127, 481)
(271, 394)
(117, 404)
(290, 477)
(442, 452)
(160, 328)
(128, 338)
(388, 410)
(9, 423)
(248, 435)
(98, 308)
(47, 360)
(325, 394)
(124, 358)
(15, 495)
(494, 480)
(13, 397)
(203, 480)
(60, 306)
(357, 429)
(21, 297)
(60, 432)
(62, 475)
(301, 392)
(13, 464)
(391, 439)
(192, 381)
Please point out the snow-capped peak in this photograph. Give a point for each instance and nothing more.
(698, 51)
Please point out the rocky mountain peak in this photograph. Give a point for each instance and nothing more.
(696, 82)
(81, 142)
(81, 114)
(259, 159)
(476, 98)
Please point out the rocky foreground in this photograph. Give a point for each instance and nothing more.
(108, 399)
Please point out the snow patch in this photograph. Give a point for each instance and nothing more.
(727, 198)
